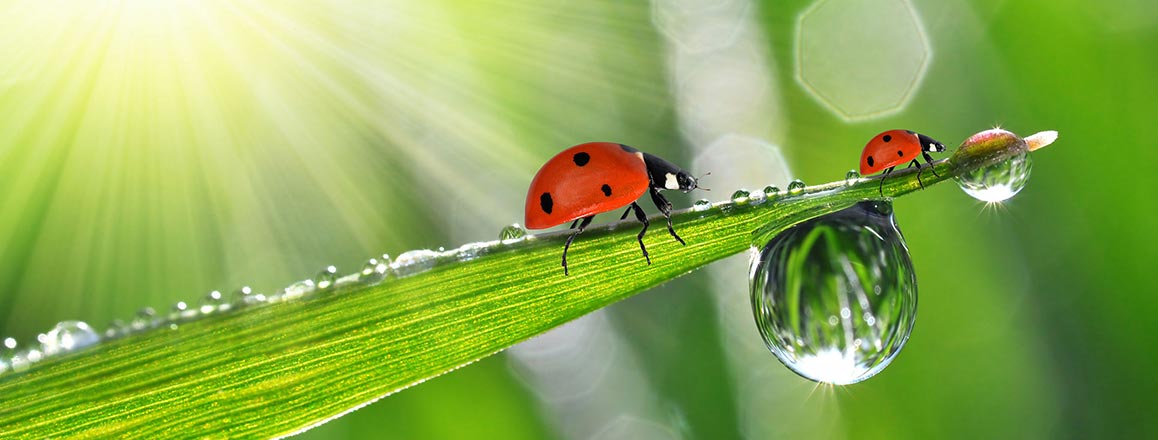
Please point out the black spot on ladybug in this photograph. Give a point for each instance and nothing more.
(606, 190)
(581, 158)
(628, 149)
(870, 161)
(900, 153)
(546, 203)
(887, 138)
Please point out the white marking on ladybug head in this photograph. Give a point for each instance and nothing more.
(670, 181)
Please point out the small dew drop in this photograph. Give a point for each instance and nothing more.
(325, 277)
(809, 282)
(771, 191)
(144, 319)
(245, 296)
(701, 205)
(374, 271)
(413, 262)
(851, 177)
(298, 289)
(741, 196)
(180, 310)
(470, 251)
(23, 360)
(998, 182)
(795, 186)
(116, 329)
(68, 336)
(210, 302)
(512, 232)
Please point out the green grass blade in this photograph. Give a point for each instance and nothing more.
(281, 368)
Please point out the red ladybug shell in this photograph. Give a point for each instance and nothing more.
(584, 180)
(889, 149)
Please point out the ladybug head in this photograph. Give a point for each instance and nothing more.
(686, 182)
(929, 144)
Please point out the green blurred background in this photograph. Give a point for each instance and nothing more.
(154, 150)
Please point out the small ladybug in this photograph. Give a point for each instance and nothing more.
(895, 147)
(597, 177)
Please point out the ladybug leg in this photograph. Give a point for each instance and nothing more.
(583, 225)
(628, 211)
(665, 209)
(574, 223)
(883, 176)
(919, 170)
(642, 219)
(929, 160)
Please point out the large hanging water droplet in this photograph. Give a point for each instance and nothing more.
(67, 336)
(513, 231)
(835, 297)
(997, 182)
(795, 186)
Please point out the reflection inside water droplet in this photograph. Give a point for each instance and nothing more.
(701, 205)
(835, 297)
(513, 231)
(795, 186)
(997, 182)
(740, 196)
(851, 177)
(771, 191)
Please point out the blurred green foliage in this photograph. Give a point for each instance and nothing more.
(153, 151)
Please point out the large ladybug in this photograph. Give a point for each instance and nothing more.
(597, 177)
(895, 147)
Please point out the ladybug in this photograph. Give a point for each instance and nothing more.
(597, 177)
(895, 147)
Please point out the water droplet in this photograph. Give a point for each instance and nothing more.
(851, 177)
(795, 186)
(811, 281)
(181, 310)
(325, 278)
(513, 232)
(701, 205)
(67, 336)
(298, 289)
(412, 262)
(21, 361)
(470, 251)
(7, 350)
(771, 191)
(145, 318)
(116, 329)
(740, 196)
(245, 296)
(210, 302)
(997, 182)
(374, 271)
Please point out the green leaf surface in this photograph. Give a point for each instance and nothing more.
(280, 368)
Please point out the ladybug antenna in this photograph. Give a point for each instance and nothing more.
(701, 177)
